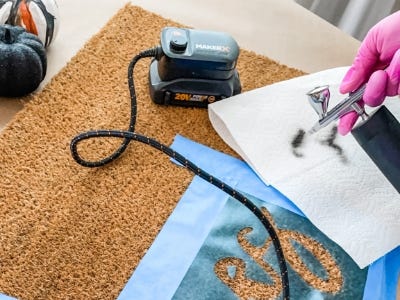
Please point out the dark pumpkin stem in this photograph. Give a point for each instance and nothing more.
(7, 36)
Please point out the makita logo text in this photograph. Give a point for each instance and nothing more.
(213, 47)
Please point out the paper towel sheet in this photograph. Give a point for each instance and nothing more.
(346, 197)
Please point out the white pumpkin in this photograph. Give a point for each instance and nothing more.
(40, 17)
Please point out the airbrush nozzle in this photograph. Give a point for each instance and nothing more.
(315, 128)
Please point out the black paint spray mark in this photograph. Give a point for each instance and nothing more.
(297, 142)
(330, 142)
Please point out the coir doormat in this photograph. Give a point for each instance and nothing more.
(69, 232)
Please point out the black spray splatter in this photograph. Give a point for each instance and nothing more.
(330, 142)
(297, 142)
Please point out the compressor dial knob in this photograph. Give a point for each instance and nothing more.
(179, 41)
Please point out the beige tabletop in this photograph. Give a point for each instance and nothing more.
(282, 30)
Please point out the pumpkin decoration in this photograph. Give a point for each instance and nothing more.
(23, 61)
(39, 17)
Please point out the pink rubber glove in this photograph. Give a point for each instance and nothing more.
(380, 49)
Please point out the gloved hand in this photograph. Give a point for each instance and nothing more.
(379, 49)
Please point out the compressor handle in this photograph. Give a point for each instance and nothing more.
(379, 136)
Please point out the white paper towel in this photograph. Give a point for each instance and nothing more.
(349, 200)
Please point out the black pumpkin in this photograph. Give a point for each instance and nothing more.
(23, 61)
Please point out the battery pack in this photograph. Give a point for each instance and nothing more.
(196, 68)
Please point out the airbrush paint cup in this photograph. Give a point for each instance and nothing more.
(319, 100)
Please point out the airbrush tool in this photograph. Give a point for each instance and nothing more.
(378, 133)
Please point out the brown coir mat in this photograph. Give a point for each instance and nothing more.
(69, 232)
